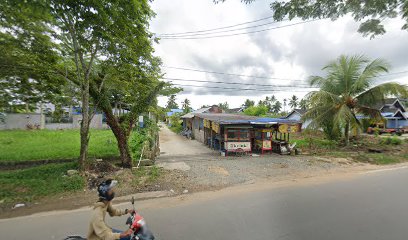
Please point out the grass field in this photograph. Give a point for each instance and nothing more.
(21, 145)
(30, 184)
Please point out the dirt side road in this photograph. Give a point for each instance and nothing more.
(172, 144)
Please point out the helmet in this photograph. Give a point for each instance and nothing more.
(104, 187)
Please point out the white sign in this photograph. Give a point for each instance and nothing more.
(246, 146)
(140, 119)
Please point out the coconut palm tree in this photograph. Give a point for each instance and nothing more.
(186, 105)
(349, 90)
(293, 102)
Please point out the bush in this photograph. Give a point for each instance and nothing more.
(391, 141)
(396, 141)
(260, 110)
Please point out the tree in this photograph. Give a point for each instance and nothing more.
(293, 102)
(224, 106)
(248, 103)
(284, 104)
(92, 38)
(303, 104)
(372, 12)
(171, 103)
(186, 106)
(26, 53)
(347, 91)
(277, 107)
(260, 110)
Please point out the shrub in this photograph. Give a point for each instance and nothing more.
(396, 141)
(391, 141)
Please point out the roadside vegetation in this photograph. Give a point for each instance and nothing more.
(176, 124)
(31, 184)
(362, 148)
(21, 145)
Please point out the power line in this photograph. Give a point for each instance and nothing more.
(240, 24)
(241, 89)
(224, 31)
(262, 77)
(231, 83)
(232, 74)
(236, 34)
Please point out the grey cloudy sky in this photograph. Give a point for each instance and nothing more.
(293, 52)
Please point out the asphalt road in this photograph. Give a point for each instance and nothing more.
(367, 206)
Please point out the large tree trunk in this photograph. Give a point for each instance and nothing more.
(84, 124)
(347, 133)
(121, 137)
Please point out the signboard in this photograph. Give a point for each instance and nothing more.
(267, 145)
(285, 128)
(231, 146)
(207, 123)
(216, 127)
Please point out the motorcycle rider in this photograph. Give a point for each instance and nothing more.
(98, 230)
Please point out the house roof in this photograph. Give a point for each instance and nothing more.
(228, 119)
(218, 117)
(297, 110)
(193, 113)
(173, 111)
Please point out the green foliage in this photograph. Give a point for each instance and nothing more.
(293, 102)
(303, 104)
(20, 145)
(391, 141)
(248, 103)
(145, 175)
(186, 106)
(171, 103)
(259, 110)
(224, 106)
(379, 158)
(138, 140)
(347, 91)
(33, 183)
(373, 12)
(143, 139)
(277, 107)
(176, 124)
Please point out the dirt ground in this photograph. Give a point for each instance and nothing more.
(187, 166)
(172, 144)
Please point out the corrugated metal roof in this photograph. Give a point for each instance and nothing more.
(193, 113)
(228, 119)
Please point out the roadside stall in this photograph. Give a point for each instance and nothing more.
(280, 144)
(237, 140)
(263, 139)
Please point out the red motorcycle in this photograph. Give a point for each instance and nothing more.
(136, 222)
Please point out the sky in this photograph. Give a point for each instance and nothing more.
(277, 61)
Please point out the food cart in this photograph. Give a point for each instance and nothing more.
(280, 143)
(237, 140)
(263, 139)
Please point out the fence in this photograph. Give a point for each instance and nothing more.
(37, 121)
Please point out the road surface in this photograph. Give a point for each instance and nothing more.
(174, 145)
(366, 206)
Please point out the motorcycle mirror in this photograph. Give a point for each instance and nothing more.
(133, 201)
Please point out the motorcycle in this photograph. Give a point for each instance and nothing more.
(136, 222)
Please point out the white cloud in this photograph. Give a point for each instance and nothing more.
(293, 52)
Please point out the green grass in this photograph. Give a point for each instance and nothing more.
(380, 158)
(177, 128)
(147, 174)
(30, 184)
(22, 145)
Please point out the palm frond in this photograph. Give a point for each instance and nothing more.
(378, 93)
(372, 70)
(369, 112)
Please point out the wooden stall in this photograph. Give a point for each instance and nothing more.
(263, 139)
(237, 139)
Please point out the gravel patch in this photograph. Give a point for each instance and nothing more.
(216, 171)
